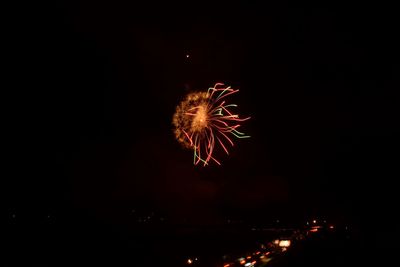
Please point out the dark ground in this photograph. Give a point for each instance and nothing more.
(39, 245)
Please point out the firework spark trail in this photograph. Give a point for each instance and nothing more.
(204, 118)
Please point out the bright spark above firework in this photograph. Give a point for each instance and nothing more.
(204, 119)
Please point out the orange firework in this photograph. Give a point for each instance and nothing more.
(204, 119)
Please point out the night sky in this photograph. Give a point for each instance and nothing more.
(93, 87)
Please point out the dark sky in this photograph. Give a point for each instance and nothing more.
(93, 87)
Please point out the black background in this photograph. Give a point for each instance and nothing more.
(90, 89)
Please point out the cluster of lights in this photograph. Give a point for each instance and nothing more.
(278, 245)
(315, 226)
(250, 261)
(281, 244)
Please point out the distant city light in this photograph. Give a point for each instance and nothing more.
(284, 243)
(314, 221)
(189, 261)
(331, 226)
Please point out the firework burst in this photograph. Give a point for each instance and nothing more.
(204, 120)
